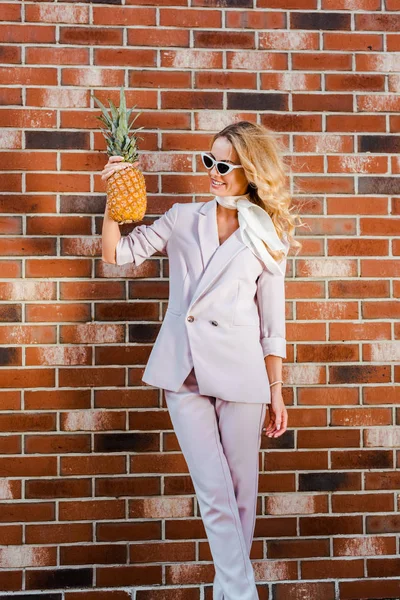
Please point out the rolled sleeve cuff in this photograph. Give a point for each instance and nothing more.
(274, 345)
(123, 252)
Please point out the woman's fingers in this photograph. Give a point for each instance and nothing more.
(116, 165)
(271, 425)
(113, 160)
(109, 169)
(278, 422)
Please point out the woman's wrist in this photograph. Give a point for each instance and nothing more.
(276, 383)
(276, 390)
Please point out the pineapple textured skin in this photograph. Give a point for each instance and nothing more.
(126, 196)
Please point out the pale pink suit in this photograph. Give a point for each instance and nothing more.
(226, 312)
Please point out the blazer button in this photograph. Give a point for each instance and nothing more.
(190, 319)
(214, 323)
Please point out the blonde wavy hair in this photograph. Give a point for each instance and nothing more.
(261, 155)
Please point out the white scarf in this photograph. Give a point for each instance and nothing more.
(256, 226)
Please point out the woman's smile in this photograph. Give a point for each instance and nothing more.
(216, 183)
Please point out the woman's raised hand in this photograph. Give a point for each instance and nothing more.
(116, 163)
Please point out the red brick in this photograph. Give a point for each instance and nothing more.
(359, 331)
(116, 15)
(327, 353)
(356, 205)
(369, 589)
(374, 310)
(309, 61)
(271, 482)
(359, 374)
(135, 531)
(311, 591)
(328, 525)
(385, 480)
(303, 461)
(359, 289)
(99, 290)
(23, 512)
(324, 310)
(345, 123)
(383, 567)
(194, 529)
(129, 575)
(189, 574)
(298, 549)
(58, 268)
(160, 80)
(377, 226)
(361, 503)
(92, 465)
(54, 444)
(327, 396)
(10, 444)
(322, 438)
(305, 417)
(255, 19)
(92, 510)
(50, 313)
(381, 395)
(196, 18)
(332, 569)
(363, 459)
(186, 593)
(162, 552)
(361, 417)
(364, 546)
(383, 524)
(27, 378)
(351, 42)
(275, 527)
(11, 581)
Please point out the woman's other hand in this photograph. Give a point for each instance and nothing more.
(277, 417)
(116, 163)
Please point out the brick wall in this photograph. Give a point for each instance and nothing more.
(96, 500)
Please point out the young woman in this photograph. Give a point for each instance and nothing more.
(218, 355)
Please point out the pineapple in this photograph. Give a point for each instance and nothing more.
(126, 189)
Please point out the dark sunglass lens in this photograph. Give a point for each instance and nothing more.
(207, 161)
(223, 168)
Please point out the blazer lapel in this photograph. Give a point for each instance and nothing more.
(215, 257)
(208, 231)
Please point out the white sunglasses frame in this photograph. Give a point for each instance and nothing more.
(216, 162)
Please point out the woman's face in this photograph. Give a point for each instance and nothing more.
(235, 183)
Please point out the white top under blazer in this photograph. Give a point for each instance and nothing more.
(226, 310)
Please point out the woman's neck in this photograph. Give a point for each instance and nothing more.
(229, 202)
(226, 207)
(227, 214)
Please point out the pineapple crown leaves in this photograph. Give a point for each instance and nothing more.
(122, 110)
(117, 125)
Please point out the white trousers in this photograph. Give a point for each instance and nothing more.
(220, 442)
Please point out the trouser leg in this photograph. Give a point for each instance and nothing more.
(196, 420)
(240, 426)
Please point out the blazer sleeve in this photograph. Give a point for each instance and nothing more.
(145, 240)
(270, 298)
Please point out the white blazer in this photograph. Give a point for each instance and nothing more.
(226, 311)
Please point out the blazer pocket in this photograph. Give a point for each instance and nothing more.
(244, 313)
(175, 301)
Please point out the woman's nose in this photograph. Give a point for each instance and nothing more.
(214, 171)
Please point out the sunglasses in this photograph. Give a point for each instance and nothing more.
(223, 168)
